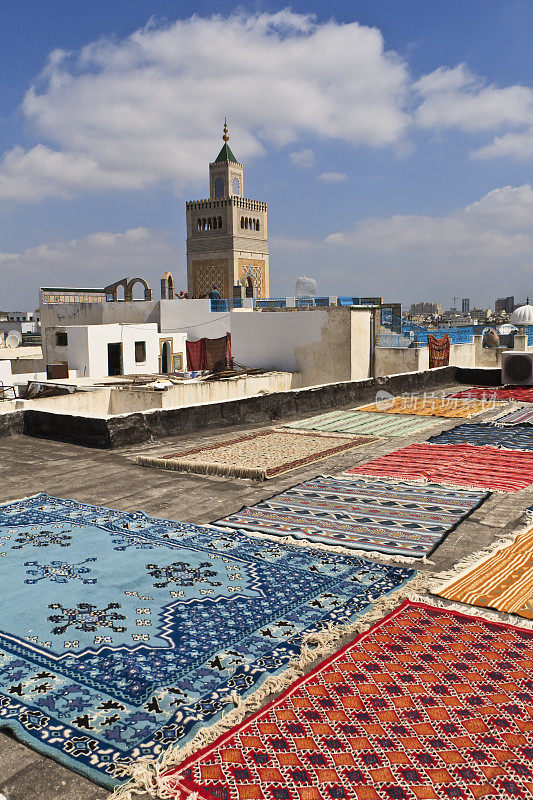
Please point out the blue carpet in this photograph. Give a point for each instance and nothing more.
(121, 634)
(373, 515)
(517, 437)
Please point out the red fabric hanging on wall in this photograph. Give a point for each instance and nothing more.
(195, 355)
(439, 351)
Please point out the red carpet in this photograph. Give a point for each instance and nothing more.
(428, 703)
(523, 394)
(455, 464)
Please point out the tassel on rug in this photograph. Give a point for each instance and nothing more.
(146, 775)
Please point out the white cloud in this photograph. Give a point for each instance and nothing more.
(518, 146)
(484, 247)
(147, 109)
(332, 177)
(94, 260)
(456, 98)
(304, 158)
(496, 228)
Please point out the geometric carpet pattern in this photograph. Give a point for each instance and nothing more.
(455, 464)
(364, 422)
(503, 580)
(517, 437)
(523, 394)
(392, 518)
(431, 406)
(258, 455)
(121, 635)
(428, 704)
(522, 416)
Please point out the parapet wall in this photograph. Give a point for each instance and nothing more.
(129, 429)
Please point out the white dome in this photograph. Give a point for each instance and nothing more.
(522, 316)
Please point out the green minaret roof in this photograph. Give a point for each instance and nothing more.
(225, 155)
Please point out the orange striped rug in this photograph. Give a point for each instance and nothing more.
(503, 580)
(432, 406)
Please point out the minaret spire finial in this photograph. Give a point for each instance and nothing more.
(225, 137)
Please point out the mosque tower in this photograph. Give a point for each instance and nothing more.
(227, 240)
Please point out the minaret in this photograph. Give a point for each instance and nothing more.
(227, 240)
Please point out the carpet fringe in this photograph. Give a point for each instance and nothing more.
(203, 468)
(443, 579)
(345, 551)
(146, 774)
(488, 615)
(447, 484)
(23, 499)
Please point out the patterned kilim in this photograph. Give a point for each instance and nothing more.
(455, 464)
(518, 437)
(259, 455)
(524, 394)
(121, 634)
(399, 519)
(427, 704)
(521, 417)
(432, 406)
(365, 422)
(439, 351)
(503, 580)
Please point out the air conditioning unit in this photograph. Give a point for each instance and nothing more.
(517, 368)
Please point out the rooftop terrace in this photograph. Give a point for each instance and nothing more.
(114, 479)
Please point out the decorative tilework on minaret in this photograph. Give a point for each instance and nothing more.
(227, 240)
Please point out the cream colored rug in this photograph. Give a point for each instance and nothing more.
(258, 455)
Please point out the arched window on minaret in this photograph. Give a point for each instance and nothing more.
(235, 189)
(219, 187)
(220, 222)
(242, 222)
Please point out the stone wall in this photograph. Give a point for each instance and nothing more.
(130, 429)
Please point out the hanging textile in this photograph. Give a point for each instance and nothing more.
(195, 355)
(218, 351)
(439, 351)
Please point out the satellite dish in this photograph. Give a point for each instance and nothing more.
(13, 339)
(306, 287)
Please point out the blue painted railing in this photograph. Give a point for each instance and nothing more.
(528, 330)
(355, 301)
(226, 305)
(402, 333)
(270, 302)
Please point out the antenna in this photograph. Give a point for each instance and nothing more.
(455, 299)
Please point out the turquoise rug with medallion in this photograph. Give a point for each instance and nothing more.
(121, 634)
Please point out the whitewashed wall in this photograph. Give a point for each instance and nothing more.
(318, 346)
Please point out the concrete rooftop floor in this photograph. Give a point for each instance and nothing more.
(113, 479)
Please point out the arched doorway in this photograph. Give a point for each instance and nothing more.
(166, 357)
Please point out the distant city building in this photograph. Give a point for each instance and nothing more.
(504, 304)
(227, 242)
(465, 305)
(425, 309)
(480, 314)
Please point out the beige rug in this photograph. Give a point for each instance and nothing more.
(258, 455)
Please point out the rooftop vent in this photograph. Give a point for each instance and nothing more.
(517, 369)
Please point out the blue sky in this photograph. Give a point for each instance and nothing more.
(392, 141)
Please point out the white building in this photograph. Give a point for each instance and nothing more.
(98, 351)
